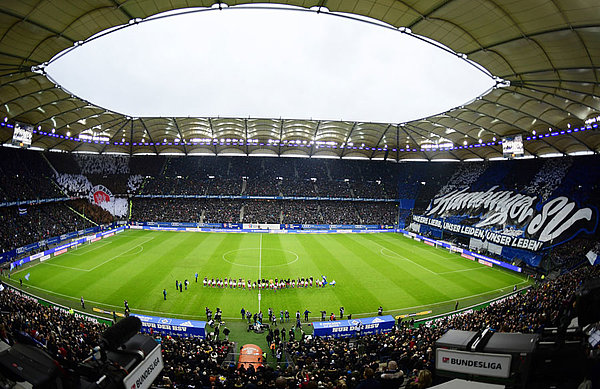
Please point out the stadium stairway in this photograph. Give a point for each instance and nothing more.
(81, 215)
(49, 164)
(230, 358)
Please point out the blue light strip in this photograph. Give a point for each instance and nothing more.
(254, 142)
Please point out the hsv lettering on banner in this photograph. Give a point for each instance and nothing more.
(534, 225)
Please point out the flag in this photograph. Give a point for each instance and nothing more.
(593, 258)
(22, 211)
(27, 276)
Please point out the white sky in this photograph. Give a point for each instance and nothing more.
(267, 64)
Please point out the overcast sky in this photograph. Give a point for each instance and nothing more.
(267, 64)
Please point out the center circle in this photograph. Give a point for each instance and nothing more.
(266, 257)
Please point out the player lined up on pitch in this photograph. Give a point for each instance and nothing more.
(266, 284)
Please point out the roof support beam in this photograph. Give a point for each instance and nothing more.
(182, 139)
(29, 94)
(149, 135)
(379, 141)
(26, 19)
(212, 133)
(246, 130)
(347, 139)
(131, 138)
(111, 140)
(312, 149)
(280, 137)
(528, 86)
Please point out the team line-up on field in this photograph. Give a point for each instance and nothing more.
(262, 284)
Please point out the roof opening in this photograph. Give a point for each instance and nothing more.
(265, 62)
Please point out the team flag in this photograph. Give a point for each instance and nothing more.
(27, 276)
(22, 211)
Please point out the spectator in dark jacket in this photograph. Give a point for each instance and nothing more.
(392, 377)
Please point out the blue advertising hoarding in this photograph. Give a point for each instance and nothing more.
(354, 327)
(168, 326)
(53, 240)
(64, 247)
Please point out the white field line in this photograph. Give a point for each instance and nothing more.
(471, 269)
(169, 314)
(259, 266)
(64, 267)
(94, 247)
(97, 266)
(117, 256)
(403, 257)
(433, 272)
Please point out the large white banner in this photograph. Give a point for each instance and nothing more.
(510, 219)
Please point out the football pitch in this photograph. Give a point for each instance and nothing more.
(370, 270)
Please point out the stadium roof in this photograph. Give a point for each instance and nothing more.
(548, 50)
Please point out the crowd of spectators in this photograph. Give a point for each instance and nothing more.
(134, 182)
(170, 210)
(570, 254)
(103, 164)
(374, 189)
(67, 338)
(91, 211)
(338, 212)
(24, 175)
(295, 187)
(404, 356)
(377, 213)
(302, 212)
(549, 177)
(259, 187)
(73, 184)
(464, 177)
(22, 225)
(222, 211)
(263, 211)
(337, 188)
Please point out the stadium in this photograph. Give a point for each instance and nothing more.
(244, 252)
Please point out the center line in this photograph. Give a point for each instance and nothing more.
(259, 266)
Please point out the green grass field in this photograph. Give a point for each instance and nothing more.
(370, 270)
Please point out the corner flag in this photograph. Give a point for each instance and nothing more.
(27, 276)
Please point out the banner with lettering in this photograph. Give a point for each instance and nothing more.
(354, 327)
(168, 326)
(509, 219)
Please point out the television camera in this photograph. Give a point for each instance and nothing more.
(556, 357)
(124, 358)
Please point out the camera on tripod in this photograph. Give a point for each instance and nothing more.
(123, 358)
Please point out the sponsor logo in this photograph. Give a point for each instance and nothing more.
(484, 364)
(473, 363)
